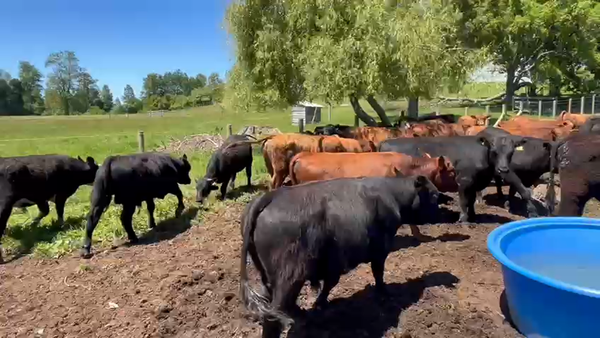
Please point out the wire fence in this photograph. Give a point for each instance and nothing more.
(552, 107)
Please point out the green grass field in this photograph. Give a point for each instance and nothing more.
(100, 136)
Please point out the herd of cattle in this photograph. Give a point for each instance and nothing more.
(337, 195)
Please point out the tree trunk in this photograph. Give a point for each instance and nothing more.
(66, 105)
(379, 110)
(362, 115)
(510, 88)
(413, 107)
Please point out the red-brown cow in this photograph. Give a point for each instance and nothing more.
(307, 167)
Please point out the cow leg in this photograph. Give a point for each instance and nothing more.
(126, 221)
(232, 183)
(180, 205)
(285, 294)
(511, 196)
(499, 192)
(514, 180)
(479, 197)
(151, 206)
(249, 174)
(44, 211)
(99, 204)
(328, 284)
(5, 210)
(59, 202)
(224, 189)
(377, 268)
(464, 206)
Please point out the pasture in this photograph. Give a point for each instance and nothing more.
(182, 280)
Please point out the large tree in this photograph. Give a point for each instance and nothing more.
(291, 50)
(521, 36)
(86, 92)
(107, 98)
(31, 81)
(63, 78)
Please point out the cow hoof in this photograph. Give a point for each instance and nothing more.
(86, 254)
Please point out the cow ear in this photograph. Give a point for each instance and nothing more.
(184, 157)
(90, 160)
(483, 141)
(79, 158)
(420, 182)
(441, 162)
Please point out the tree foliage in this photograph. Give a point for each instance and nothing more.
(107, 99)
(534, 39)
(291, 50)
(31, 80)
(65, 72)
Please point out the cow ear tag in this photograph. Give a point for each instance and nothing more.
(519, 148)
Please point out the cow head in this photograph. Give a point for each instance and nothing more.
(501, 149)
(425, 204)
(563, 130)
(183, 172)
(90, 173)
(445, 177)
(203, 188)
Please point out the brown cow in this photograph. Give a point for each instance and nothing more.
(436, 129)
(378, 135)
(577, 119)
(307, 167)
(336, 144)
(474, 120)
(549, 130)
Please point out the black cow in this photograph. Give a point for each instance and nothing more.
(322, 230)
(578, 159)
(529, 162)
(591, 126)
(37, 179)
(476, 160)
(132, 179)
(337, 129)
(223, 166)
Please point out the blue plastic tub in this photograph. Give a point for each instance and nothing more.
(551, 270)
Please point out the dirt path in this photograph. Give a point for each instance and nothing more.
(187, 285)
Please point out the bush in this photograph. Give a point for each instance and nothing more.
(95, 110)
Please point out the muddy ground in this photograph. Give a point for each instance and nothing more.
(182, 281)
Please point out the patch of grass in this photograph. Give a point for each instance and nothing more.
(100, 136)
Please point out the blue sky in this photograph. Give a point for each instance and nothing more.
(118, 41)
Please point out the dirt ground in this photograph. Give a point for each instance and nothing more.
(182, 281)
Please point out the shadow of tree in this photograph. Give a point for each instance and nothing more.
(170, 228)
(30, 234)
(364, 314)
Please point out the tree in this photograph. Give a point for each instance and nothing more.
(107, 99)
(118, 107)
(14, 99)
(86, 92)
(128, 94)
(153, 85)
(292, 50)
(64, 76)
(214, 80)
(31, 80)
(200, 81)
(520, 36)
(4, 75)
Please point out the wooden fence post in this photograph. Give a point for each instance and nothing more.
(356, 121)
(330, 112)
(520, 108)
(487, 110)
(554, 106)
(229, 130)
(593, 104)
(570, 105)
(582, 108)
(466, 110)
(540, 108)
(301, 125)
(141, 142)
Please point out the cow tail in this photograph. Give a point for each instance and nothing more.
(261, 142)
(292, 171)
(102, 183)
(550, 193)
(254, 301)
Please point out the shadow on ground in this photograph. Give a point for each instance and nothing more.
(451, 216)
(365, 314)
(170, 228)
(239, 191)
(31, 233)
(408, 241)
